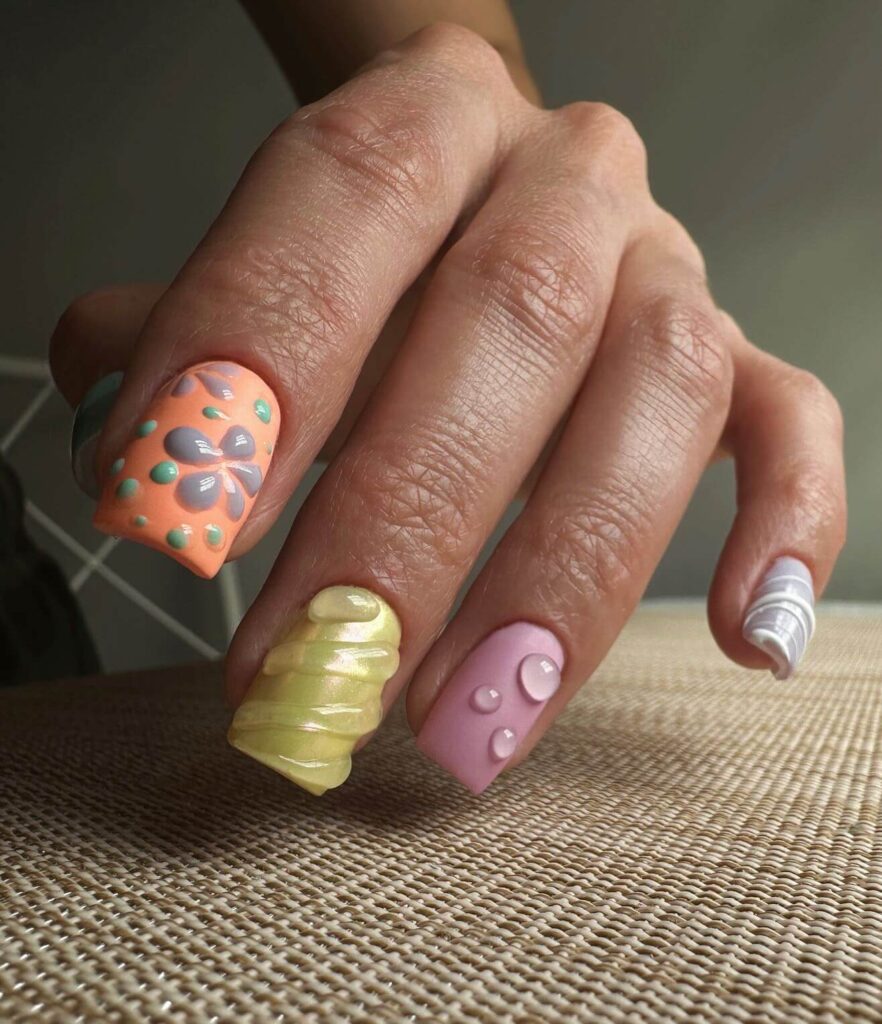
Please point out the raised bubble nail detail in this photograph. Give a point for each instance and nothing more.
(503, 743)
(491, 702)
(539, 677)
(486, 699)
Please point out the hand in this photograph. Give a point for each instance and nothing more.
(558, 297)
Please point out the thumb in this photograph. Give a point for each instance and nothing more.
(89, 350)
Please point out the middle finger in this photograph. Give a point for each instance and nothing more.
(496, 353)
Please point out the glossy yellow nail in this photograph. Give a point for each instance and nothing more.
(320, 688)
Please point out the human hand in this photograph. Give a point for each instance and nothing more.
(556, 294)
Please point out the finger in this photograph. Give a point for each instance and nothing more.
(96, 336)
(495, 355)
(785, 431)
(567, 575)
(334, 218)
(89, 350)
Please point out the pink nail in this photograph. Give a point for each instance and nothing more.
(489, 706)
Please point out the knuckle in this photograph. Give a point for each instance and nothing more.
(686, 343)
(538, 280)
(679, 241)
(394, 158)
(450, 43)
(609, 132)
(814, 393)
(420, 498)
(820, 500)
(589, 548)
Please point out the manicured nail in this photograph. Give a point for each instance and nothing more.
(491, 703)
(87, 425)
(187, 479)
(781, 618)
(320, 688)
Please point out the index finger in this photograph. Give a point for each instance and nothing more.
(335, 216)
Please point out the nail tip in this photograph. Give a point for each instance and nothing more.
(206, 569)
(277, 764)
(431, 752)
(773, 647)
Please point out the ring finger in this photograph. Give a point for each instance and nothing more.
(569, 572)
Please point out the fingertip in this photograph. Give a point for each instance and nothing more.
(764, 619)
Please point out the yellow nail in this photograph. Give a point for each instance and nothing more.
(319, 689)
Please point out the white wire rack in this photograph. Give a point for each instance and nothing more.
(93, 562)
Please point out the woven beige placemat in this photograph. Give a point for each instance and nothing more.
(692, 842)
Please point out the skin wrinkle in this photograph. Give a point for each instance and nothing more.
(343, 209)
(421, 497)
(400, 173)
(590, 536)
(536, 278)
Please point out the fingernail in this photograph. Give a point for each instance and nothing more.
(320, 688)
(781, 619)
(187, 480)
(88, 422)
(490, 704)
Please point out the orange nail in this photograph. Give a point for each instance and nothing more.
(192, 470)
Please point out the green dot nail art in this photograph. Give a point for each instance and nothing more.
(164, 472)
(128, 488)
(214, 535)
(147, 427)
(262, 409)
(177, 539)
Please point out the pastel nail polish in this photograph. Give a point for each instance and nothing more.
(188, 477)
(320, 688)
(781, 619)
(87, 425)
(490, 704)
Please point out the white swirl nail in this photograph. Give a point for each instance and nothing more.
(781, 618)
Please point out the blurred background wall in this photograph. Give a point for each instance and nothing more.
(126, 125)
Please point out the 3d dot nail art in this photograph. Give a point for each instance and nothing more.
(194, 465)
(492, 701)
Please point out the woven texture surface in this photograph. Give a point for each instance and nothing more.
(690, 842)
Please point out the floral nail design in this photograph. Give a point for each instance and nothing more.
(229, 474)
(194, 465)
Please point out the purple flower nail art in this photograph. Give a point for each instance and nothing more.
(227, 469)
(214, 377)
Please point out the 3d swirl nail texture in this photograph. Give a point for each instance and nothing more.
(320, 688)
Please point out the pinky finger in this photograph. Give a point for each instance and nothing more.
(785, 432)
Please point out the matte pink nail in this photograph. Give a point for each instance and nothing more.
(490, 704)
